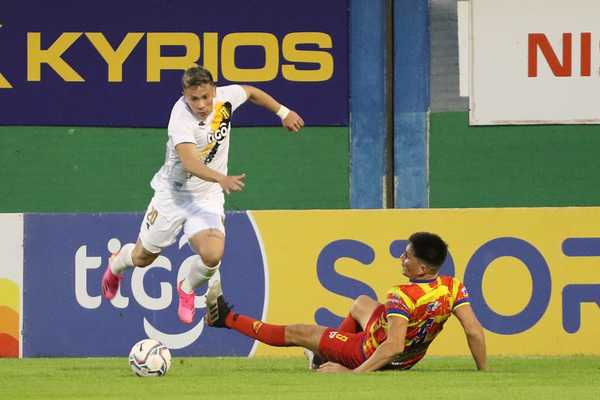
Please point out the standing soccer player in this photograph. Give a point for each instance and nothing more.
(374, 336)
(188, 188)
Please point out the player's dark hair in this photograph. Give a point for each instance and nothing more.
(196, 76)
(430, 248)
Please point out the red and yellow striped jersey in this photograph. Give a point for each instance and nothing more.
(426, 305)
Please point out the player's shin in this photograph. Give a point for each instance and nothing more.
(199, 274)
(270, 334)
(122, 260)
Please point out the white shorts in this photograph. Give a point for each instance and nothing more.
(166, 216)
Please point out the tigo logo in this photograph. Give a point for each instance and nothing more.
(64, 304)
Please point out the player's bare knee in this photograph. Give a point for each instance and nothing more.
(211, 258)
(210, 246)
(359, 303)
(362, 307)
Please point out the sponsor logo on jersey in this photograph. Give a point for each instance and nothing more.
(220, 126)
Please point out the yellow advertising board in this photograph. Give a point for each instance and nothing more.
(533, 273)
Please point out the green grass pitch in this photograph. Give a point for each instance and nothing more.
(445, 378)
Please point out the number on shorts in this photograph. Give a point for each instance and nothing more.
(151, 217)
(341, 337)
(338, 336)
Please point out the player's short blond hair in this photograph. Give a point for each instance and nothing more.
(196, 76)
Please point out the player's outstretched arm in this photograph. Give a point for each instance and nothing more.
(289, 118)
(191, 163)
(474, 334)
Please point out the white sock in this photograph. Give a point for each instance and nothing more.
(199, 274)
(123, 260)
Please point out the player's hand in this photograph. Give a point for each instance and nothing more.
(332, 367)
(232, 183)
(293, 122)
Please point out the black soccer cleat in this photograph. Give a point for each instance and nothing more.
(217, 308)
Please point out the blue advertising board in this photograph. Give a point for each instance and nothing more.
(115, 63)
(65, 314)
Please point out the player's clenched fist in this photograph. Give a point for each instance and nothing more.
(293, 122)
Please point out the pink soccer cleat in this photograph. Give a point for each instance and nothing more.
(187, 307)
(110, 283)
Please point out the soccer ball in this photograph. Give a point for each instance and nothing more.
(149, 357)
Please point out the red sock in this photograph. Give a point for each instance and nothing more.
(349, 325)
(273, 335)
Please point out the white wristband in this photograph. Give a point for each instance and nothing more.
(283, 112)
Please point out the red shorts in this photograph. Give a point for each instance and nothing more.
(346, 348)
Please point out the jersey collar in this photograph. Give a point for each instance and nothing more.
(424, 280)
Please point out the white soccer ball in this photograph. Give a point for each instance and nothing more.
(149, 357)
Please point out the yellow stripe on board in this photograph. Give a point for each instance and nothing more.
(9, 294)
(4, 83)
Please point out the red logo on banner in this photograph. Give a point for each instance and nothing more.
(562, 67)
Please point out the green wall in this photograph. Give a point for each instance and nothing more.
(72, 169)
(512, 166)
(63, 169)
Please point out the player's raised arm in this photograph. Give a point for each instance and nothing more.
(191, 164)
(289, 118)
(474, 334)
